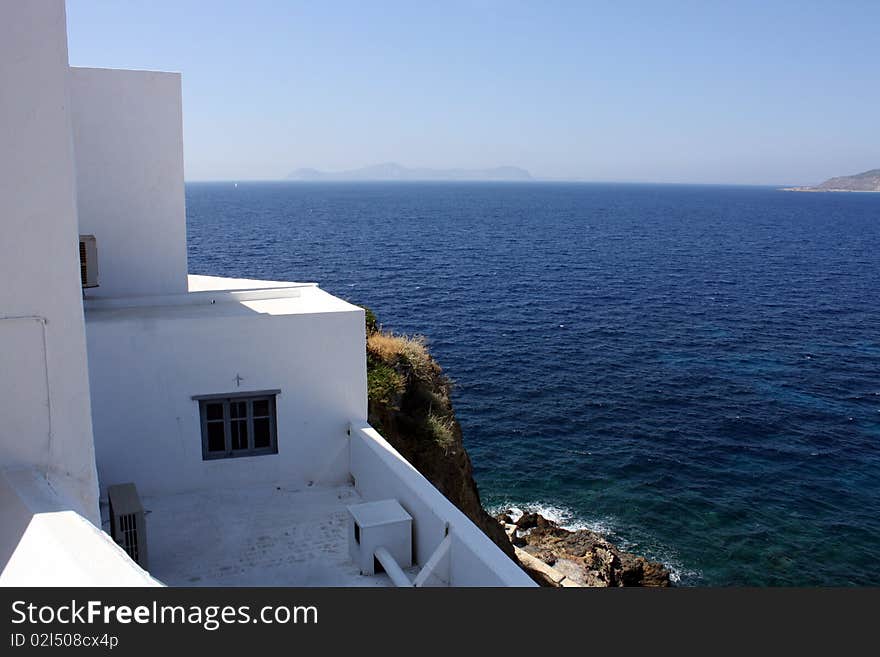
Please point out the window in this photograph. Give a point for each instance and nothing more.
(238, 425)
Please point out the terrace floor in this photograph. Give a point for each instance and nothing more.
(257, 536)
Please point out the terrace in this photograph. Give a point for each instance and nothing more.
(259, 536)
(272, 535)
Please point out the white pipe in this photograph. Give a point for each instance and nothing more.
(395, 572)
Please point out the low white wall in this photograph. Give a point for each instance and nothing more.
(145, 370)
(44, 391)
(380, 472)
(128, 145)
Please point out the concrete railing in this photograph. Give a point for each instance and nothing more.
(468, 557)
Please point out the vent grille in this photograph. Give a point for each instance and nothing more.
(83, 264)
(129, 534)
(88, 261)
(127, 521)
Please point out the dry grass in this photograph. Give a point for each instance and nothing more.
(412, 350)
(400, 367)
(386, 346)
(442, 430)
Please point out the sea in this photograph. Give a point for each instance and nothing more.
(692, 370)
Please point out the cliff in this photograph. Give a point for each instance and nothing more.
(410, 405)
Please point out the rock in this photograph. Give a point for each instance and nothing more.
(542, 573)
(527, 521)
(655, 574)
(584, 556)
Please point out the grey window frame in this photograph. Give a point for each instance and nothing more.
(226, 399)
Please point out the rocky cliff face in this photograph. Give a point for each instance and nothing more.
(410, 405)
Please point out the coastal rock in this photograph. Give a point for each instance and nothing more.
(584, 557)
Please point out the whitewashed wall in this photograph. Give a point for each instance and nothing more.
(44, 391)
(128, 144)
(43, 543)
(145, 371)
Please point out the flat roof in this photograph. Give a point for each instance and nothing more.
(213, 296)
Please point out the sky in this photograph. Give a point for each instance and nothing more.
(742, 92)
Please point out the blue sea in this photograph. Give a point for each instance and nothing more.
(694, 370)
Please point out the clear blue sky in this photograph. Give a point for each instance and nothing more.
(740, 92)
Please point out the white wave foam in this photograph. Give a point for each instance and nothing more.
(561, 515)
(677, 571)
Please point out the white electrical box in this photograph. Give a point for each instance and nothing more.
(382, 524)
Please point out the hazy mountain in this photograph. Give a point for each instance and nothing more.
(868, 181)
(392, 171)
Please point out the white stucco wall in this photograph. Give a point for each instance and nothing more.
(380, 472)
(44, 391)
(145, 369)
(128, 145)
(44, 543)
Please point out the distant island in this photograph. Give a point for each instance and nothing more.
(390, 171)
(868, 181)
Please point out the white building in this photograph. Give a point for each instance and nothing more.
(237, 408)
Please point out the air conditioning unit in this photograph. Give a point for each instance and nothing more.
(127, 521)
(88, 260)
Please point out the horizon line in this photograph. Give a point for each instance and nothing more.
(487, 180)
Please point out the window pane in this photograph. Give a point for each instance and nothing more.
(239, 434)
(214, 411)
(216, 439)
(237, 409)
(261, 433)
(238, 425)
